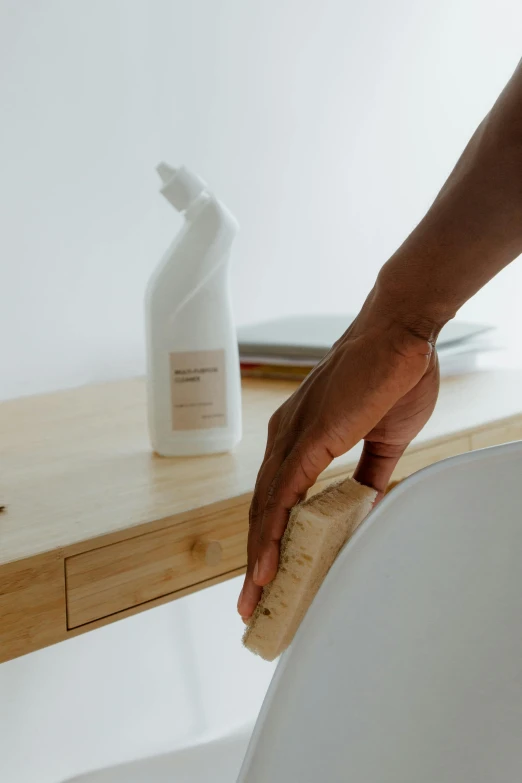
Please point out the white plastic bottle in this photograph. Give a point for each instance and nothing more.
(193, 377)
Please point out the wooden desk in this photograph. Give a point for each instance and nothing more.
(96, 527)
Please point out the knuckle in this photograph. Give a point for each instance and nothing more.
(299, 463)
(270, 509)
(272, 496)
(273, 502)
(273, 423)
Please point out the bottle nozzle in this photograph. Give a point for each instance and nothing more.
(180, 186)
(165, 171)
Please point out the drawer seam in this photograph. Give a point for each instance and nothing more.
(144, 603)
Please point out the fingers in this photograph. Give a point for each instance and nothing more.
(251, 592)
(295, 477)
(248, 597)
(376, 465)
(281, 484)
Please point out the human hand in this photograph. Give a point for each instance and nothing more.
(379, 383)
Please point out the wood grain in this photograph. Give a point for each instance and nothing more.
(84, 494)
(509, 430)
(164, 599)
(77, 464)
(32, 605)
(113, 578)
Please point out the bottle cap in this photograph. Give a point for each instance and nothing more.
(181, 187)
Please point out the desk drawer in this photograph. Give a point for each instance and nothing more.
(113, 578)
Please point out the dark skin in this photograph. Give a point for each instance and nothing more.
(380, 381)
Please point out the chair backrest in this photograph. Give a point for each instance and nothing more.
(408, 665)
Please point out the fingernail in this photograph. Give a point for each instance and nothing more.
(239, 600)
(256, 571)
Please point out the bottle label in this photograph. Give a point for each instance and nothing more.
(197, 390)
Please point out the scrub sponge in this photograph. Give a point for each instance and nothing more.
(316, 531)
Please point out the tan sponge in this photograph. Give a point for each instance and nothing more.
(316, 531)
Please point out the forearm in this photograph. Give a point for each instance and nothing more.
(471, 232)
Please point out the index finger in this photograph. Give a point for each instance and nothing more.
(297, 474)
(250, 592)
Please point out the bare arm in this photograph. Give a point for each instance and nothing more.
(380, 381)
(474, 227)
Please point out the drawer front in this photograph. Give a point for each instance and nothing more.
(130, 573)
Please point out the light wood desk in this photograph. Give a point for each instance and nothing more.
(96, 527)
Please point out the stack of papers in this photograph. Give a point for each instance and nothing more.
(288, 348)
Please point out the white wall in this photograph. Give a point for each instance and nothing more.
(327, 126)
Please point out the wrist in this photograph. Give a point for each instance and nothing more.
(404, 298)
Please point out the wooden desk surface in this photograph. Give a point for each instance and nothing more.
(77, 474)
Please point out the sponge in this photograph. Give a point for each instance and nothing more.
(316, 531)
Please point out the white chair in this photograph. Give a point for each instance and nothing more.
(408, 666)
(212, 762)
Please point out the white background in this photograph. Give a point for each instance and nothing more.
(327, 127)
